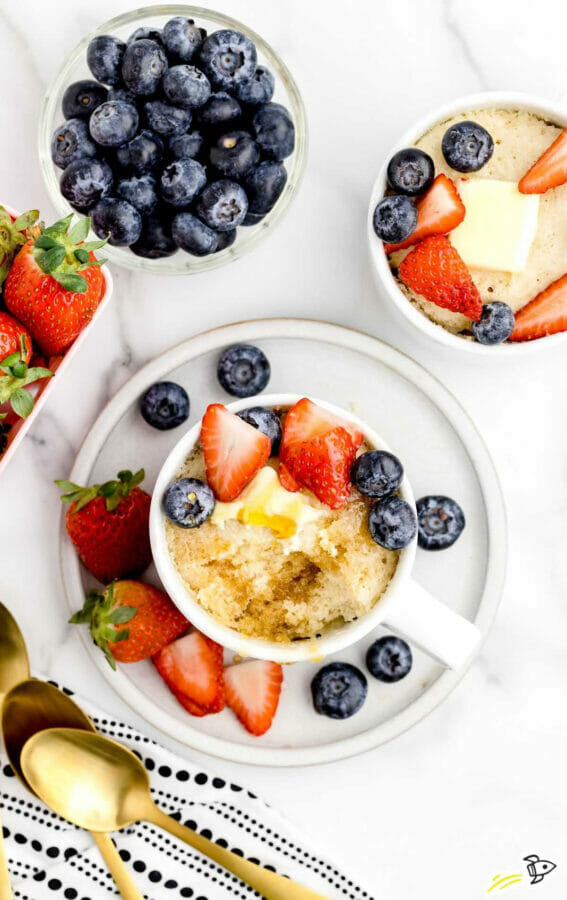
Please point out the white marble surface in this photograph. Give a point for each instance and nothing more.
(480, 784)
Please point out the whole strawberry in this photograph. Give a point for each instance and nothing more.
(131, 621)
(16, 401)
(14, 232)
(109, 525)
(55, 284)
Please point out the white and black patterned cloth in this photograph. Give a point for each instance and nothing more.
(49, 858)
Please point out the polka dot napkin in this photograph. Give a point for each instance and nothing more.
(48, 858)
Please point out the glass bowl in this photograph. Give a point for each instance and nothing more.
(75, 68)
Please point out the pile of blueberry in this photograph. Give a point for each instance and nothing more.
(176, 143)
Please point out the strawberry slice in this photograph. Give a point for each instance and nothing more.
(435, 270)
(234, 451)
(545, 314)
(307, 420)
(549, 171)
(192, 668)
(438, 211)
(322, 464)
(287, 480)
(253, 691)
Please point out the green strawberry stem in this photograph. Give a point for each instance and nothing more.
(14, 235)
(62, 252)
(17, 375)
(100, 613)
(113, 491)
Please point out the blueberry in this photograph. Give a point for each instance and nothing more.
(143, 66)
(264, 185)
(118, 220)
(71, 141)
(181, 181)
(140, 191)
(266, 421)
(120, 93)
(85, 182)
(260, 88)
(222, 205)
(165, 405)
(243, 370)
(104, 58)
(440, 521)
(496, 323)
(81, 98)
(467, 147)
(225, 239)
(186, 86)
(185, 146)
(275, 131)
(188, 502)
(377, 473)
(220, 110)
(141, 154)
(234, 154)
(165, 119)
(392, 523)
(182, 38)
(155, 241)
(145, 33)
(389, 659)
(339, 690)
(395, 218)
(410, 171)
(193, 236)
(113, 123)
(228, 58)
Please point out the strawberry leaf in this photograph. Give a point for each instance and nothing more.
(79, 231)
(10, 360)
(94, 245)
(37, 372)
(22, 403)
(44, 242)
(122, 614)
(26, 220)
(82, 255)
(71, 282)
(60, 228)
(51, 259)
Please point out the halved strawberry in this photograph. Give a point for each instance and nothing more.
(253, 691)
(307, 420)
(234, 451)
(549, 171)
(322, 464)
(545, 314)
(287, 480)
(435, 270)
(439, 210)
(192, 666)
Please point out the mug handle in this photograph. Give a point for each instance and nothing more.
(425, 621)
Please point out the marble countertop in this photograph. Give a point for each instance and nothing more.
(480, 784)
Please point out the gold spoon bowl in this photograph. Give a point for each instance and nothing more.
(100, 785)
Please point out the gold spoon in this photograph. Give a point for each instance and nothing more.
(98, 784)
(29, 708)
(14, 667)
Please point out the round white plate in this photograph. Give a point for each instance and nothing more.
(442, 453)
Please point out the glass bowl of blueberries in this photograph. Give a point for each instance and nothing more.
(181, 134)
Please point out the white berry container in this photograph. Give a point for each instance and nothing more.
(387, 285)
(21, 428)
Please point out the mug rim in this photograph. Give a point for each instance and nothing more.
(311, 649)
(386, 282)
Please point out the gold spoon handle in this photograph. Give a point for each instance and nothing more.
(5, 887)
(269, 884)
(116, 867)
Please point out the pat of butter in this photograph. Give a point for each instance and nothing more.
(265, 502)
(499, 225)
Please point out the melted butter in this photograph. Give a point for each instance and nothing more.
(265, 503)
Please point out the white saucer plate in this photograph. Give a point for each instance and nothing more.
(442, 452)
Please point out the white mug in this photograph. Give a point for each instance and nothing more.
(404, 607)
